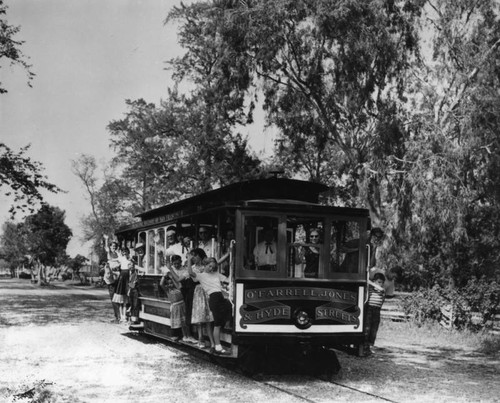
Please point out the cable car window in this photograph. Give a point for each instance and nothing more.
(159, 258)
(227, 238)
(345, 250)
(150, 259)
(304, 246)
(141, 249)
(261, 248)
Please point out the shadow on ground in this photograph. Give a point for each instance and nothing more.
(24, 304)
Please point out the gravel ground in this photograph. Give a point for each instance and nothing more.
(58, 343)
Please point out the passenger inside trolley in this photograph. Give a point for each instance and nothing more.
(350, 248)
(265, 252)
(207, 242)
(309, 255)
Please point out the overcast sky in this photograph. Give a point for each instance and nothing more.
(88, 57)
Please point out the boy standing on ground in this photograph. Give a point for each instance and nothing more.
(376, 297)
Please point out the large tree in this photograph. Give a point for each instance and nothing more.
(38, 241)
(332, 74)
(12, 245)
(363, 104)
(46, 237)
(111, 200)
(446, 221)
(146, 161)
(165, 152)
(217, 105)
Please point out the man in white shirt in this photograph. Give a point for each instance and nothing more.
(173, 247)
(176, 248)
(265, 252)
(209, 245)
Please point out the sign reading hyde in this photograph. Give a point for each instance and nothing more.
(268, 307)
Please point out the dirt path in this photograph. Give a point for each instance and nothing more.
(63, 336)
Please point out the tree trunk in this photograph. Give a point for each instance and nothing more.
(41, 274)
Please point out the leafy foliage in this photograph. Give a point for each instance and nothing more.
(22, 177)
(46, 235)
(111, 201)
(216, 154)
(38, 241)
(76, 263)
(478, 297)
(13, 248)
(424, 305)
(332, 73)
(10, 48)
(188, 141)
(445, 225)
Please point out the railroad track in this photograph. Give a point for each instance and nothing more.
(356, 394)
(301, 387)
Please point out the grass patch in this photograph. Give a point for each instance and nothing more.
(434, 335)
(490, 345)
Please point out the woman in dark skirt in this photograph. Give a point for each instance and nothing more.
(121, 288)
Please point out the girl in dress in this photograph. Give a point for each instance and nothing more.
(201, 315)
(177, 305)
(211, 281)
(121, 290)
(177, 274)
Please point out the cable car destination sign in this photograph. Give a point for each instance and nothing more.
(269, 304)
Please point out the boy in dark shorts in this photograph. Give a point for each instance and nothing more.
(211, 281)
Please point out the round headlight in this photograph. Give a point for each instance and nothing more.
(302, 319)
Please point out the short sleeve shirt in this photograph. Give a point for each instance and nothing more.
(211, 282)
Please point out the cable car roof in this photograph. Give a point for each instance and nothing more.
(271, 188)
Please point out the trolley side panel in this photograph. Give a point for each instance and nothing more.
(270, 307)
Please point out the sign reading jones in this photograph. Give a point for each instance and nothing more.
(309, 293)
(268, 307)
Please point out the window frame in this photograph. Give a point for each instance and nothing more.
(282, 259)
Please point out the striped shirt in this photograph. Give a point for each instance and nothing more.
(376, 297)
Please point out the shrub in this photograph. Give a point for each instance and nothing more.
(490, 345)
(474, 306)
(424, 305)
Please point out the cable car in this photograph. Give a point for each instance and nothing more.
(297, 269)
